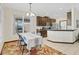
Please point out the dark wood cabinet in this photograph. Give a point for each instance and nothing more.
(39, 18)
(43, 21)
(43, 32)
(51, 21)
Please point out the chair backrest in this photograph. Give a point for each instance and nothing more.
(21, 38)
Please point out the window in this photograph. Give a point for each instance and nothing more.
(22, 24)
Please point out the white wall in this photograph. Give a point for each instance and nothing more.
(75, 16)
(8, 23)
(1, 27)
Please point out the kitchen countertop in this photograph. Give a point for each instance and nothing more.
(61, 30)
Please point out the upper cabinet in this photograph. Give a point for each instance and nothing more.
(45, 21)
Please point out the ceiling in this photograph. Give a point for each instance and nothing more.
(55, 10)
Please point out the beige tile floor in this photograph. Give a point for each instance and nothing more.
(69, 49)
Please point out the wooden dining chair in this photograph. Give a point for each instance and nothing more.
(22, 43)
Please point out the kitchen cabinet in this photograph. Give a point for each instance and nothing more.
(43, 21)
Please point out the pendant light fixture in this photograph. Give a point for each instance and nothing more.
(30, 13)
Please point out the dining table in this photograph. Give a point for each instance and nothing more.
(32, 40)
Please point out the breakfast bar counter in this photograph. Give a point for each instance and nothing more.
(68, 36)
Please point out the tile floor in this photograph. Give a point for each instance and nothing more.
(68, 49)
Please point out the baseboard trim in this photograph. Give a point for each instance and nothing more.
(63, 42)
(10, 41)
